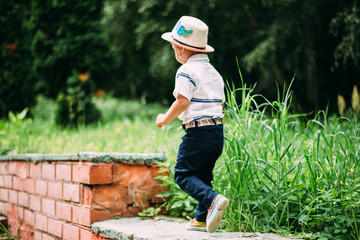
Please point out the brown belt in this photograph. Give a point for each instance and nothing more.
(202, 123)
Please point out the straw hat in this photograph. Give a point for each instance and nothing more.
(190, 33)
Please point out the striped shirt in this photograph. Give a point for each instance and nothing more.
(203, 86)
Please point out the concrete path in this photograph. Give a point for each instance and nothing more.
(165, 228)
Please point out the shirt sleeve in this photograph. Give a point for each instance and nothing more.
(184, 84)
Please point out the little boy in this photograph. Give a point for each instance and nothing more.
(199, 93)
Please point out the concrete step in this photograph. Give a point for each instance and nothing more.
(166, 228)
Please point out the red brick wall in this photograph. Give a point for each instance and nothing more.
(61, 199)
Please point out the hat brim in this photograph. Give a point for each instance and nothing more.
(167, 36)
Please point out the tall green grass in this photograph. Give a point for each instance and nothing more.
(287, 175)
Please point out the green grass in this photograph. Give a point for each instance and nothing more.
(285, 175)
(281, 172)
(121, 131)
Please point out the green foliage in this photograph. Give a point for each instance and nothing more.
(114, 109)
(14, 133)
(71, 56)
(46, 48)
(281, 173)
(150, 212)
(346, 26)
(177, 202)
(272, 39)
(145, 63)
(4, 232)
(18, 85)
(45, 109)
(124, 131)
(291, 176)
(44, 45)
(68, 38)
(75, 107)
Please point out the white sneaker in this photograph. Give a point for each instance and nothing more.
(216, 213)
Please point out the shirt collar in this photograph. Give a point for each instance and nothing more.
(198, 58)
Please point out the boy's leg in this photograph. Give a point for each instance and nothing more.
(201, 212)
(207, 176)
(196, 159)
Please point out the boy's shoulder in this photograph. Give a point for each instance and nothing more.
(194, 64)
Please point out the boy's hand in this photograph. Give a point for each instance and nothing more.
(179, 106)
(160, 120)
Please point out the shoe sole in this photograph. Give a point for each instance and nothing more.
(215, 222)
(199, 229)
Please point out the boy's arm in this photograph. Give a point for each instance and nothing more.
(179, 106)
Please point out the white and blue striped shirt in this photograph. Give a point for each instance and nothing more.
(203, 86)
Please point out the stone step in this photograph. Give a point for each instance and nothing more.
(166, 228)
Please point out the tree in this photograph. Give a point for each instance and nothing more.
(273, 40)
(18, 85)
(71, 55)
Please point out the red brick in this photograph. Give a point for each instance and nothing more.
(41, 222)
(29, 217)
(47, 237)
(81, 215)
(71, 192)
(85, 234)
(23, 199)
(3, 208)
(35, 203)
(70, 232)
(2, 181)
(41, 187)
(63, 211)
(12, 168)
(13, 196)
(19, 168)
(86, 195)
(87, 216)
(29, 185)
(22, 169)
(18, 183)
(138, 180)
(48, 171)
(94, 174)
(48, 206)
(35, 170)
(55, 227)
(8, 183)
(26, 232)
(4, 194)
(63, 172)
(76, 171)
(4, 167)
(37, 235)
(55, 190)
(113, 197)
(155, 190)
(15, 211)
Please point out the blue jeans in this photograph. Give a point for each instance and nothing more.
(198, 152)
